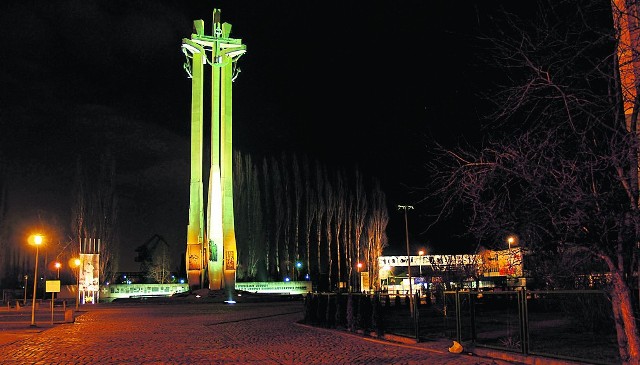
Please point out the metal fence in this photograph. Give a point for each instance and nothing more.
(573, 325)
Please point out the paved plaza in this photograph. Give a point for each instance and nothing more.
(192, 332)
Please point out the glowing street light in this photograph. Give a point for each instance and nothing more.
(58, 266)
(77, 262)
(359, 266)
(421, 253)
(26, 277)
(298, 267)
(37, 240)
(511, 240)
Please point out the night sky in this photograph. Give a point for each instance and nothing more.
(366, 83)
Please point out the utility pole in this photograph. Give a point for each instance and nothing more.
(406, 231)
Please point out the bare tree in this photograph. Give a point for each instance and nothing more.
(95, 211)
(311, 209)
(267, 199)
(321, 211)
(279, 209)
(560, 165)
(330, 208)
(159, 269)
(297, 202)
(340, 211)
(287, 268)
(248, 216)
(378, 219)
(348, 235)
(359, 215)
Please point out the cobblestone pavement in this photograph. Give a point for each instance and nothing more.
(210, 333)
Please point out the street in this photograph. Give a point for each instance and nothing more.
(206, 333)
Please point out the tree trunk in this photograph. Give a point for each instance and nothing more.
(626, 328)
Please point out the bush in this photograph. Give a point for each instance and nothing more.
(364, 313)
(308, 299)
(387, 301)
(351, 318)
(396, 301)
(377, 315)
(331, 311)
(340, 311)
(322, 310)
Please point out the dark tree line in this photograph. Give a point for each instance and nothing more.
(291, 210)
(559, 165)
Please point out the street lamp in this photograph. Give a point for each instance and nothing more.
(421, 253)
(58, 266)
(298, 267)
(37, 240)
(77, 262)
(25, 290)
(406, 230)
(359, 266)
(511, 240)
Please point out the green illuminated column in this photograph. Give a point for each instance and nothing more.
(226, 152)
(195, 234)
(219, 259)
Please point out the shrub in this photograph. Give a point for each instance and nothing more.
(322, 310)
(351, 318)
(364, 313)
(377, 315)
(331, 311)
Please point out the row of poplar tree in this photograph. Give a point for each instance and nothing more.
(297, 218)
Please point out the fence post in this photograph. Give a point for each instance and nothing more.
(416, 316)
(458, 317)
(524, 320)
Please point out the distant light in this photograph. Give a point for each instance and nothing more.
(230, 301)
(239, 294)
(181, 281)
(287, 279)
(298, 264)
(307, 277)
(197, 295)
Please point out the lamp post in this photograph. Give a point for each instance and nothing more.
(26, 277)
(37, 240)
(421, 253)
(298, 267)
(406, 230)
(359, 266)
(77, 262)
(511, 240)
(58, 266)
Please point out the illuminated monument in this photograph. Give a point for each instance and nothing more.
(211, 250)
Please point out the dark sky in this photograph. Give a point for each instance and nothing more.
(362, 82)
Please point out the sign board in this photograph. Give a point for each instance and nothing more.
(53, 286)
(290, 287)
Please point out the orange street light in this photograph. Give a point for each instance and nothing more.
(58, 266)
(37, 240)
(421, 253)
(77, 262)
